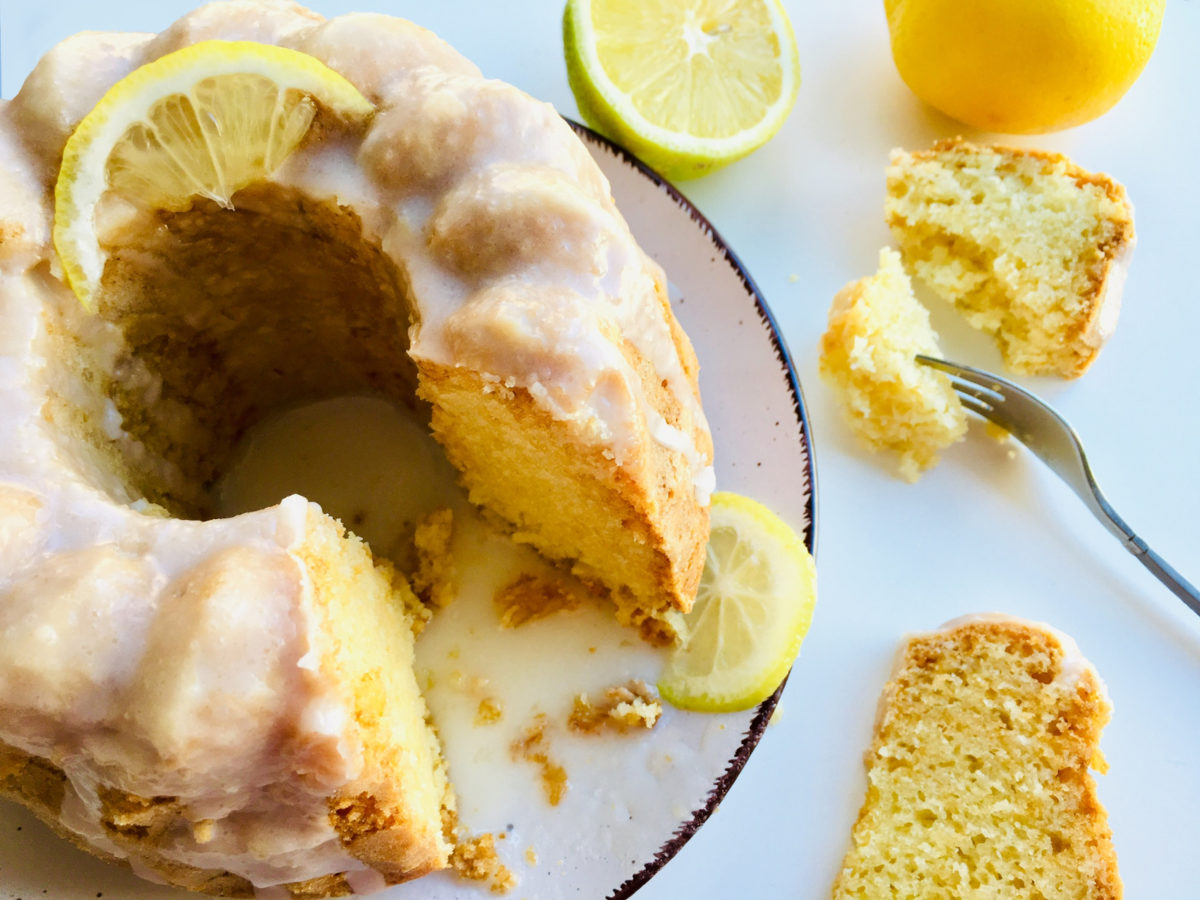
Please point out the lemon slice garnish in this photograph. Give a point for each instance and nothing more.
(205, 121)
(752, 611)
(687, 85)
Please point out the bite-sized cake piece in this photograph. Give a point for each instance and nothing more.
(1030, 247)
(229, 704)
(978, 782)
(876, 329)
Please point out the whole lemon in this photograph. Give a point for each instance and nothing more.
(1022, 66)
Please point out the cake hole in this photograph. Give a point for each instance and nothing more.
(366, 461)
(209, 320)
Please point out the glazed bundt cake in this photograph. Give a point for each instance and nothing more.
(229, 704)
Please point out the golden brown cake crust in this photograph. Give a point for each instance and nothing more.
(1091, 325)
(949, 813)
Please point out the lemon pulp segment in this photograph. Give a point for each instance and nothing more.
(723, 58)
(688, 85)
(752, 611)
(227, 132)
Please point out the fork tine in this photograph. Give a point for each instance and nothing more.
(1010, 403)
(981, 399)
(982, 384)
(934, 363)
(971, 389)
(975, 405)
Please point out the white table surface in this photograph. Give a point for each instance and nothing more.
(983, 531)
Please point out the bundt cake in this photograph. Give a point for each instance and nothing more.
(229, 704)
(978, 781)
(1030, 247)
(868, 355)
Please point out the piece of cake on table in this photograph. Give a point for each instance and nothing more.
(1030, 247)
(229, 704)
(978, 781)
(868, 355)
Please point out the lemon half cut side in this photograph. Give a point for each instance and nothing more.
(204, 121)
(752, 611)
(686, 85)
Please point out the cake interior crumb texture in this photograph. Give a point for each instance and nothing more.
(978, 782)
(876, 328)
(1031, 248)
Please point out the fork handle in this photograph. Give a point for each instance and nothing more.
(1180, 586)
(1091, 494)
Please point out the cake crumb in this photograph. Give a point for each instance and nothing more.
(531, 856)
(531, 597)
(533, 747)
(434, 578)
(996, 432)
(475, 859)
(490, 711)
(419, 614)
(631, 705)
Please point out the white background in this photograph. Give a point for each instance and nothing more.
(984, 531)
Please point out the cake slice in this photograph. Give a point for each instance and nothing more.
(977, 780)
(876, 328)
(1030, 247)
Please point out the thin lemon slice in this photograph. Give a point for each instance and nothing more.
(687, 85)
(205, 121)
(752, 611)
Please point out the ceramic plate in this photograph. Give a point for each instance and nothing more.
(630, 801)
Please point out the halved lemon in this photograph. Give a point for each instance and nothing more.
(687, 85)
(753, 609)
(204, 121)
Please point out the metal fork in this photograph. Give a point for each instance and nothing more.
(1054, 442)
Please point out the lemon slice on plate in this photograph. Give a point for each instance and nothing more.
(752, 611)
(687, 85)
(205, 121)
